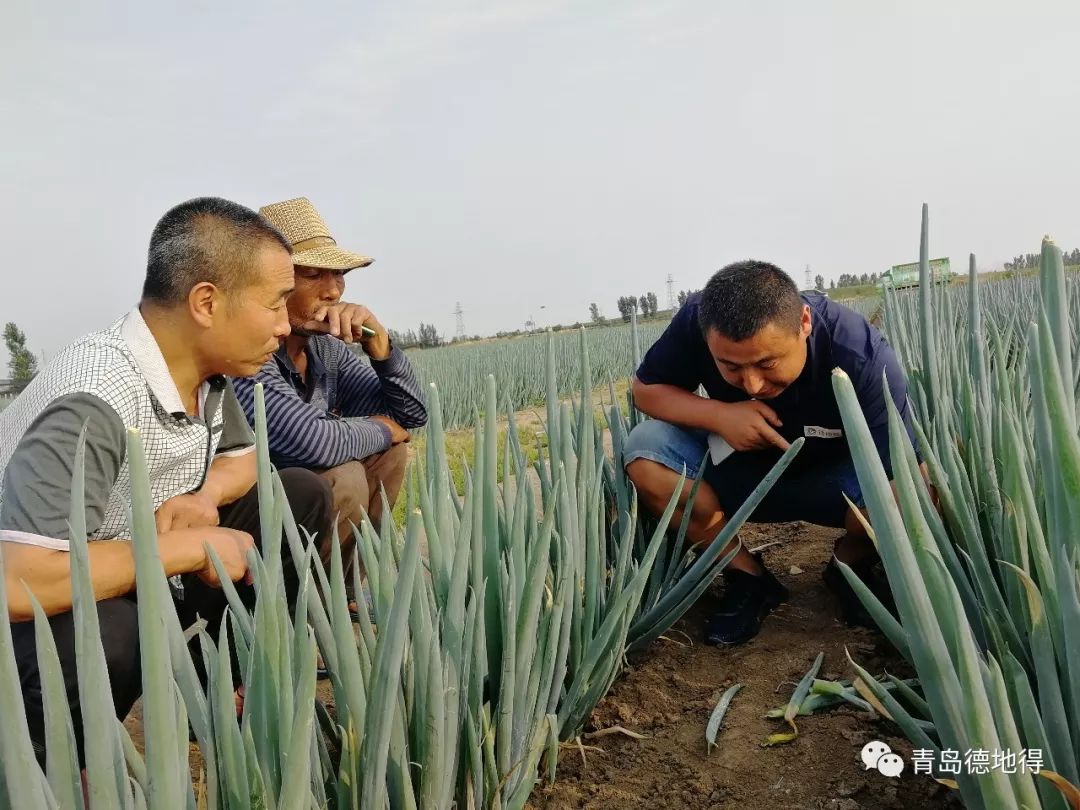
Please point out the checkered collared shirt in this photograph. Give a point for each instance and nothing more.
(110, 381)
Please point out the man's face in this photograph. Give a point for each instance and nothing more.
(764, 364)
(316, 289)
(254, 318)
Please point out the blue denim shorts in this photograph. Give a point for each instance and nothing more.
(811, 489)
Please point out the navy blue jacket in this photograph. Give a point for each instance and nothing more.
(839, 337)
(322, 421)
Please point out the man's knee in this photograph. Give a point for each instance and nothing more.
(119, 623)
(310, 498)
(389, 472)
(646, 439)
(349, 487)
(651, 477)
(651, 454)
(666, 446)
(655, 454)
(394, 462)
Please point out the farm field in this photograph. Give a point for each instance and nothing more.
(518, 367)
(548, 616)
(327, 480)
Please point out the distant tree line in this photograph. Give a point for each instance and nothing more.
(646, 304)
(851, 280)
(1030, 261)
(427, 338)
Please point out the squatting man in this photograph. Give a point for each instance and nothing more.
(764, 353)
(326, 409)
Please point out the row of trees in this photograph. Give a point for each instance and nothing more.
(1030, 261)
(427, 338)
(22, 365)
(646, 304)
(846, 280)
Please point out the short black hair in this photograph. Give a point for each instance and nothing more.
(742, 298)
(205, 239)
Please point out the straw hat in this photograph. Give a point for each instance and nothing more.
(313, 246)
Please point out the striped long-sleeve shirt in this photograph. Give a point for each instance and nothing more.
(323, 421)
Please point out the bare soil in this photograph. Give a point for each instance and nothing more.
(668, 693)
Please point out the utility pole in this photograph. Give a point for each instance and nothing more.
(460, 313)
(809, 279)
(671, 300)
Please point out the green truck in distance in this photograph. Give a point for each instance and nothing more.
(900, 276)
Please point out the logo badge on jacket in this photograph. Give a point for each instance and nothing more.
(815, 432)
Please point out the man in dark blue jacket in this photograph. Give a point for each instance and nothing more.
(764, 353)
(328, 410)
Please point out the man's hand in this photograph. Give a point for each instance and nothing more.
(749, 426)
(232, 547)
(345, 321)
(398, 434)
(191, 511)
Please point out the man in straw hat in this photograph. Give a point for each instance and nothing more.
(213, 306)
(326, 409)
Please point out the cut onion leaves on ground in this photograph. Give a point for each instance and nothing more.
(801, 691)
(717, 716)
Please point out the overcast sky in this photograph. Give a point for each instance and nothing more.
(512, 154)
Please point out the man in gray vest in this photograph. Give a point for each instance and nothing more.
(213, 306)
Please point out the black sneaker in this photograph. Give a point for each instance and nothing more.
(872, 573)
(746, 601)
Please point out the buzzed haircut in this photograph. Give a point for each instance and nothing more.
(742, 298)
(207, 239)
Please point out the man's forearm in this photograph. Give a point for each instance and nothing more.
(230, 478)
(393, 389)
(677, 406)
(47, 572)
